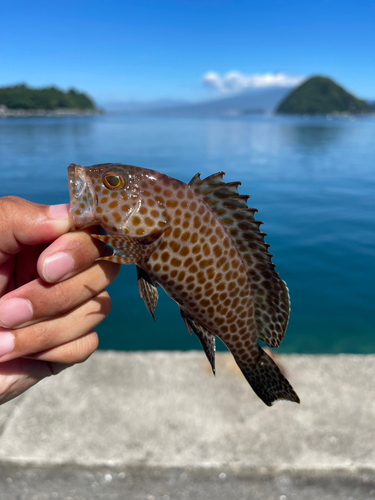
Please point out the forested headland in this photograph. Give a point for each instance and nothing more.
(321, 96)
(23, 98)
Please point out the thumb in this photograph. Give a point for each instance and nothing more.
(25, 223)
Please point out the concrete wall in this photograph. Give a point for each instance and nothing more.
(166, 409)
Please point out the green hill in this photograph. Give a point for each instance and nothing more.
(321, 96)
(49, 98)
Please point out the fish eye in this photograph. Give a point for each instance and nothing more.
(114, 181)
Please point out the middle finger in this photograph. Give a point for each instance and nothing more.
(37, 301)
(69, 255)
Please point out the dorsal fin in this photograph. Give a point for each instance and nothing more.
(271, 297)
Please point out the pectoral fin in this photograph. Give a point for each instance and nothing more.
(126, 250)
(205, 338)
(147, 290)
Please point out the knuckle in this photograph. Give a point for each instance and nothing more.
(62, 295)
(42, 336)
(109, 270)
(83, 248)
(82, 350)
(91, 342)
(8, 205)
(8, 202)
(105, 302)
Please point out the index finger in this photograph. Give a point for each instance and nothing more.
(25, 223)
(69, 255)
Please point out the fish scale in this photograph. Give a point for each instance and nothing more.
(201, 244)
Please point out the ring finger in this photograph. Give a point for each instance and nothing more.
(61, 330)
(37, 301)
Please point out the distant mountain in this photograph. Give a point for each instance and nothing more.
(22, 97)
(255, 101)
(132, 106)
(321, 96)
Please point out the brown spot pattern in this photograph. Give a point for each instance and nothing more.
(210, 257)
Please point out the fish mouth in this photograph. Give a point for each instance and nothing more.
(82, 197)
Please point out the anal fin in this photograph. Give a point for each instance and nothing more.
(126, 250)
(206, 339)
(266, 380)
(147, 290)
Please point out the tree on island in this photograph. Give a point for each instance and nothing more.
(49, 98)
(321, 96)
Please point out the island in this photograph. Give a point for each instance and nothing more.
(320, 95)
(21, 100)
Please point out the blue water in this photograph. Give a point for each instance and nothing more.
(312, 180)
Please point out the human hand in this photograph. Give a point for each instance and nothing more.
(52, 293)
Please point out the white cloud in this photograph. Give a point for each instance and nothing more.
(233, 81)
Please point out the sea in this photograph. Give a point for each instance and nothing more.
(312, 180)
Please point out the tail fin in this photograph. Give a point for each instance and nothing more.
(267, 380)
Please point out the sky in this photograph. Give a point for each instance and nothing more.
(145, 50)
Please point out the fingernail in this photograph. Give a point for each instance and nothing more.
(15, 311)
(61, 215)
(59, 211)
(6, 343)
(57, 267)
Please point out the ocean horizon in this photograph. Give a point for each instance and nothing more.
(312, 180)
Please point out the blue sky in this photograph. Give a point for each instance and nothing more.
(146, 50)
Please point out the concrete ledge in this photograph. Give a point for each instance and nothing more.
(166, 410)
(146, 483)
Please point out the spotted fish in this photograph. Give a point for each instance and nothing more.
(201, 243)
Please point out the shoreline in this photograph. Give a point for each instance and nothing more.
(59, 112)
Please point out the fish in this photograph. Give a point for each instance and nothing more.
(201, 243)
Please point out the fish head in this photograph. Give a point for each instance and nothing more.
(115, 197)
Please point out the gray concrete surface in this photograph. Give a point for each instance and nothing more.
(135, 415)
(77, 483)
